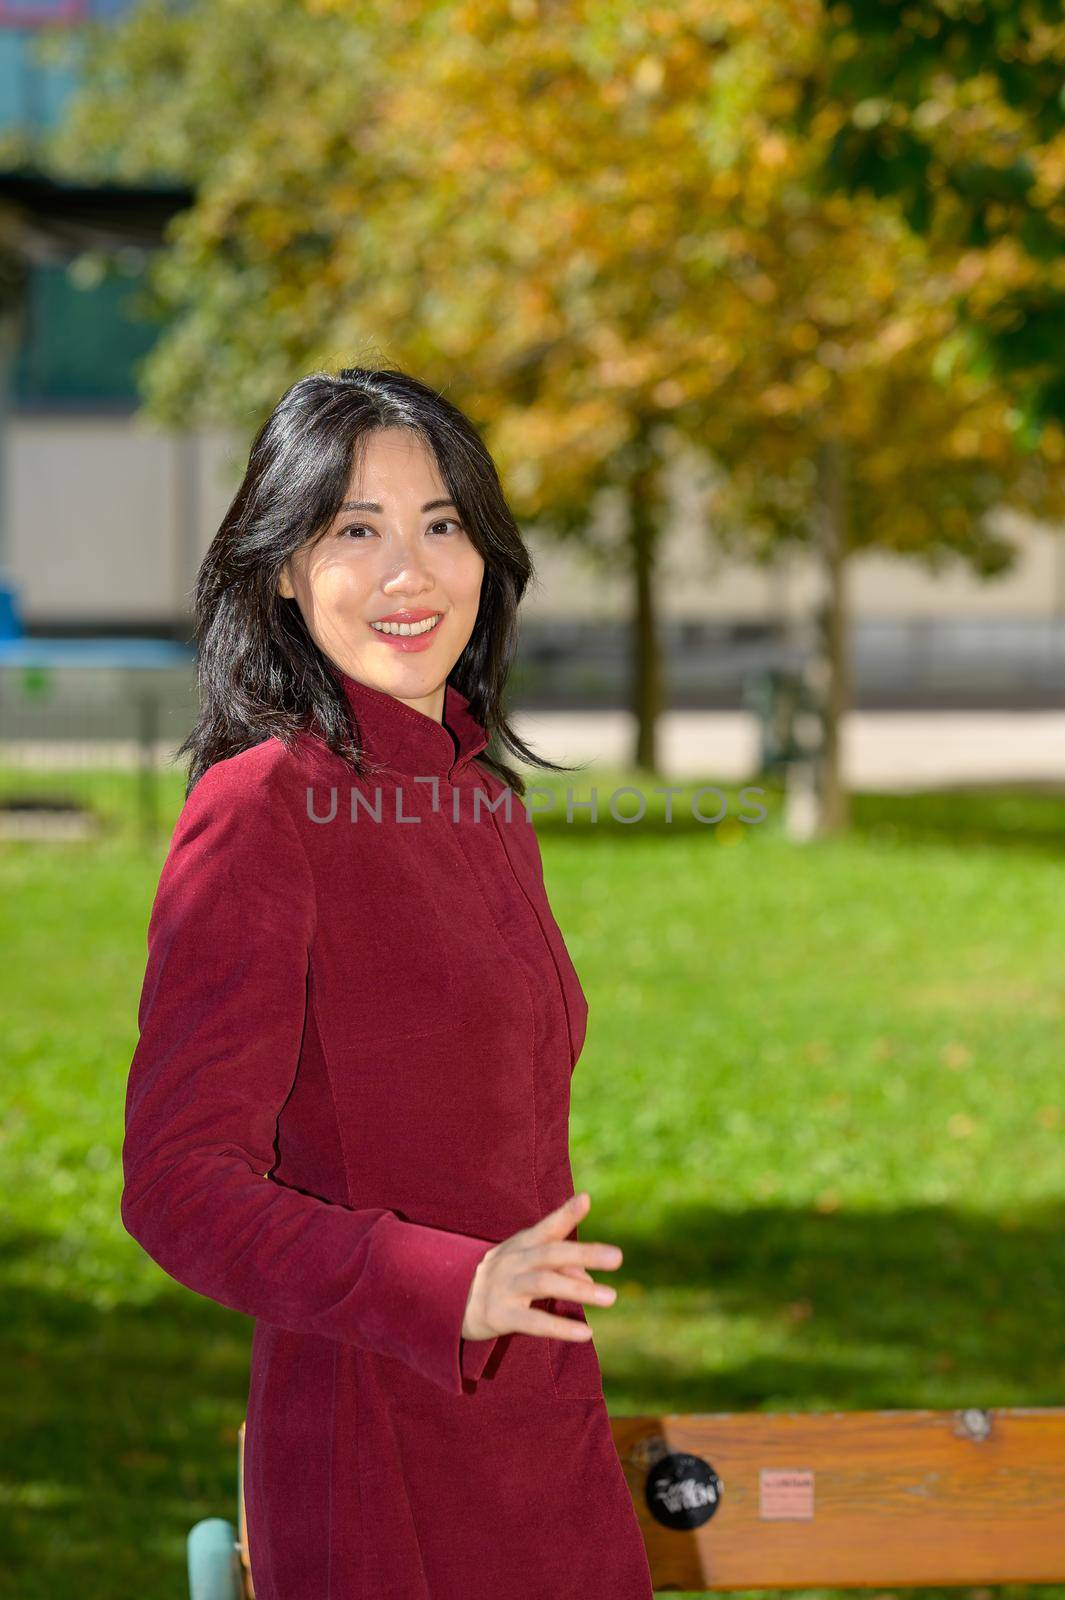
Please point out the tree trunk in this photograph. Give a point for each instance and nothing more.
(645, 513)
(832, 629)
(819, 804)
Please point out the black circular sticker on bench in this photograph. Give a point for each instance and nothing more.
(682, 1490)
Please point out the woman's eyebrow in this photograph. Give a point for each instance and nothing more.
(372, 505)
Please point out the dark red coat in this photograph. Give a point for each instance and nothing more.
(352, 1077)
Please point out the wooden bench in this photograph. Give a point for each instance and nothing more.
(796, 1500)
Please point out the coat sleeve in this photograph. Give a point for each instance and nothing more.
(221, 1019)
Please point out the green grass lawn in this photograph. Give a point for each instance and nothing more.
(820, 1107)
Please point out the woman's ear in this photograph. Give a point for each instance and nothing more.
(284, 584)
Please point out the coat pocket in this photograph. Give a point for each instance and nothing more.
(574, 1365)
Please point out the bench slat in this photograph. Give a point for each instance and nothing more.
(855, 1498)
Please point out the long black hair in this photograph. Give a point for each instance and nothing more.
(261, 675)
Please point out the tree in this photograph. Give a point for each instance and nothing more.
(956, 110)
(592, 225)
(847, 427)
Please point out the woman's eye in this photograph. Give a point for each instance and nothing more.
(354, 529)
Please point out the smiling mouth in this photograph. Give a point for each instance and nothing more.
(407, 630)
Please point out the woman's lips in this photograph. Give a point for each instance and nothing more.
(408, 642)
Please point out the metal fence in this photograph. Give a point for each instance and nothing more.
(88, 751)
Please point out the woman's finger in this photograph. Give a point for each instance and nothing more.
(548, 1326)
(545, 1284)
(574, 1270)
(576, 1252)
(556, 1224)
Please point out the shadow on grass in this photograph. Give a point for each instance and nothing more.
(121, 1423)
(120, 1432)
(924, 1306)
(1029, 819)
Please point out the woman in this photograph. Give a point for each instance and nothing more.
(347, 1111)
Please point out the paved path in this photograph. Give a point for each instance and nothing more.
(882, 749)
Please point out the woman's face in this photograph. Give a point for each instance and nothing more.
(396, 546)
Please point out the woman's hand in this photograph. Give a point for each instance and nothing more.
(539, 1263)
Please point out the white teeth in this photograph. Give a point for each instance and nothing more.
(406, 627)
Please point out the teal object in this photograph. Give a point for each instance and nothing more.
(214, 1561)
(82, 343)
(10, 614)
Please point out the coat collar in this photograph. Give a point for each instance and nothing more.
(395, 736)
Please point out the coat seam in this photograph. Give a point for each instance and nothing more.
(532, 1059)
(341, 1142)
(332, 1475)
(355, 1429)
(309, 871)
(570, 1035)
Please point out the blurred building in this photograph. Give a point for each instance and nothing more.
(103, 520)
